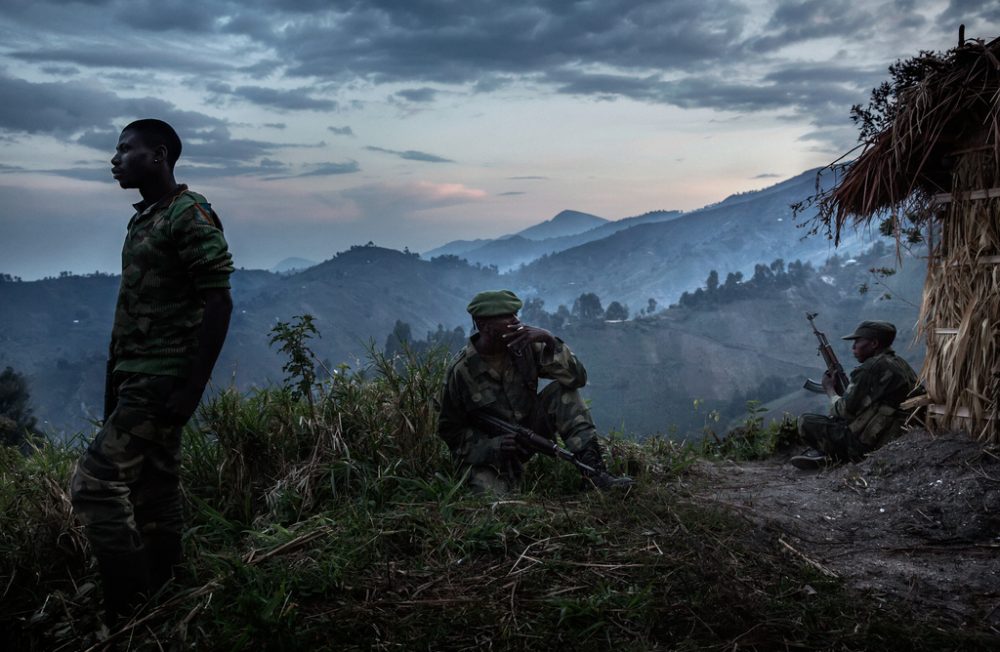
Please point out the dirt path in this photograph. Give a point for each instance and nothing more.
(918, 521)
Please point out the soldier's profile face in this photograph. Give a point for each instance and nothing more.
(494, 327)
(132, 163)
(864, 348)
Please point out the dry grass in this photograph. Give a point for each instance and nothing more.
(957, 106)
(963, 369)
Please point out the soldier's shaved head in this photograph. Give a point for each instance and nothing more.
(155, 133)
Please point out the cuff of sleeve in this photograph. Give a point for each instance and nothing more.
(547, 355)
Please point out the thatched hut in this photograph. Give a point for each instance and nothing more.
(934, 162)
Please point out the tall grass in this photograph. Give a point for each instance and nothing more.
(335, 521)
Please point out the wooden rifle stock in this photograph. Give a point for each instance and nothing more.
(833, 366)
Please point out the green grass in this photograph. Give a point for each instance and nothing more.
(338, 523)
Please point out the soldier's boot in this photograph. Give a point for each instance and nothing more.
(592, 455)
(809, 460)
(164, 552)
(125, 579)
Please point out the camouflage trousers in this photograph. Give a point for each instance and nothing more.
(558, 411)
(126, 488)
(832, 437)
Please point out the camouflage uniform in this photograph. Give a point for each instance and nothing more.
(505, 386)
(126, 487)
(867, 415)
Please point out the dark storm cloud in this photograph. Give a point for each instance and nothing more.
(276, 125)
(794, 22)
(826, 74)
(418, 95)
(63, 108)
(645, 50)
(217, 146)
(324, 170)
(964, 11)
(166, 15)
(141, 57)
(766, 175)
(465, 42)
(411, 155)
(824, 104)
(298, 99)
(512, 193)
(341, 131)
(62, 71)
(94, 118)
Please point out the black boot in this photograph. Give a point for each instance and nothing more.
(592, 455)
(164, 552)
(125, 578)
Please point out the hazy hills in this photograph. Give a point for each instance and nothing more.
(644, 373)
(660, 260)
(566, 230)
(56, 331)
(650, 371)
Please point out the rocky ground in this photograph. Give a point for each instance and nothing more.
(917, 521)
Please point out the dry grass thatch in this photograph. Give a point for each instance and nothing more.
(956, 106)
(960, 315)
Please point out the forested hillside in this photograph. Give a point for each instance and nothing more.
(725, 267)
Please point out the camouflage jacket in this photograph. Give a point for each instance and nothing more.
(870, 405)
(173, 250)
(473, 383)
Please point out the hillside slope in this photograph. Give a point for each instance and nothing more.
(914, 523)
(56, 331)
(661, 260)
(646, 374)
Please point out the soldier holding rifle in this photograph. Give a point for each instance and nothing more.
(497, 375)
(865, 414)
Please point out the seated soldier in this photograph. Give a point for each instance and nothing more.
(497, 373)
(867, 415)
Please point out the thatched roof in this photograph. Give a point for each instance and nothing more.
(955, 107)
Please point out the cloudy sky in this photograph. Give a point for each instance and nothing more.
(312, 125)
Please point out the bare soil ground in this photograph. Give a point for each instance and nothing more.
(917, 521)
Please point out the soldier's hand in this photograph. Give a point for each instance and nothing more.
(521, 335)
(829, 383)
(183, 402)
(506, 448)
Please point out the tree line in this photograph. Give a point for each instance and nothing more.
(765, 279)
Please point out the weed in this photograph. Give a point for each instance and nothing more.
(330, 519)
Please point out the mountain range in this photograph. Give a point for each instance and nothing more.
(56, 331)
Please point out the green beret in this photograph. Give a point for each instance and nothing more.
(882, 331)
(494, 303)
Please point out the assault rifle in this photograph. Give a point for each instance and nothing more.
(833, 366)
(532, 441)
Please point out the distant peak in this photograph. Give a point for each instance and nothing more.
(569, 214)
(567, 222)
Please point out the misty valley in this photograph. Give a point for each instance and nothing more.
(680, 318)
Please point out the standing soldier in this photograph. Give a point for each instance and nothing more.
(868, 414)
(170, 322)
(497, 373)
